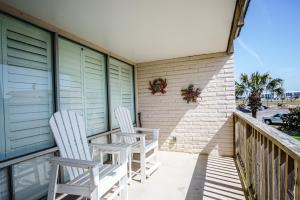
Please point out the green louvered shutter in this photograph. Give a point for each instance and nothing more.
(121, 88)
(70, 77)
(95, 92)
(27, 87)
(2, 130)
(82, 84)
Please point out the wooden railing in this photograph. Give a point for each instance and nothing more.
(267, 159)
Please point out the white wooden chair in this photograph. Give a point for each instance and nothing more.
(88, 178)
(139, 143)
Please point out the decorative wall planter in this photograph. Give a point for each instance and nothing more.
(190, 94)
(158, 86)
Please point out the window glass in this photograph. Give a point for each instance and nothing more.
(31, 178)
(4, 192)
(26, 88)
(121, 86)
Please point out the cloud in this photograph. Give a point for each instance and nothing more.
(251, 52)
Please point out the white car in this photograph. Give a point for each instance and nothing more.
(275, 119)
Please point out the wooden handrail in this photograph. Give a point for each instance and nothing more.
(268, 159)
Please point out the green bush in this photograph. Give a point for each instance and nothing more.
(292, 121)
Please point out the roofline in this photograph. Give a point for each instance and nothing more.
(240, 11)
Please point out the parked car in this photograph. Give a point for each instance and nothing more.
(244, 110)
(275, 119)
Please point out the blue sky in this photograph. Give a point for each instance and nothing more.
(270, 41)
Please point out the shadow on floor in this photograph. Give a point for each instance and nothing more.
(215, 178)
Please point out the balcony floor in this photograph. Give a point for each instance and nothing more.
(186, 176)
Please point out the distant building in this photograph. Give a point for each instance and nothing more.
(292, 94)
(267, 96)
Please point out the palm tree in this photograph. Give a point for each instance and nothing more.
(241, 89)
(252, 88)
(279, 92)
(275, 87)
(257, 84)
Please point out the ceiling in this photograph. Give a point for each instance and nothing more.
(141, 30)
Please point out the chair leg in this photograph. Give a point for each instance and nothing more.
(130, 168)
(94, 195)
(143, 167)
(53, 183)
(124, 191)
(155, 151)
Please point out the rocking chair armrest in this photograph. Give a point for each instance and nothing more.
(155, 131)
(135, 135)
(84, 164)
(111, 148)
(146, 129)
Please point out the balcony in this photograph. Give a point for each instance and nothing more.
(208, 151)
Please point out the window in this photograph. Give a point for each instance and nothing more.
(82, 84)
(26, 99)
(121, 86)
(31, 178)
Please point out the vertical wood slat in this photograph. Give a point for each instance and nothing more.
(248, 158)
(270, 168)
(282, 174)
(275, 171)
(262, 175)
(258, 179)
(253, 159)
(291, 178)
(266, 168)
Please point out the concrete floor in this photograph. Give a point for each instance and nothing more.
(190, 177)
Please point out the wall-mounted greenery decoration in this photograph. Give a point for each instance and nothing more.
(190, 94)
(158, 86)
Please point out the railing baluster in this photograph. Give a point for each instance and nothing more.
(262, 175)
(253, 159)
(291, 178)
(266, 167)
(275, 173)
(282, 173)
(270, 168)
(258, 163)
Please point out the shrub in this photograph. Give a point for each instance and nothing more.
(292, 121)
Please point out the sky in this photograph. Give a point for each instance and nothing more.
(270, 41)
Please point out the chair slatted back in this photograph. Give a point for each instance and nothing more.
(124, 119)
(69, 132)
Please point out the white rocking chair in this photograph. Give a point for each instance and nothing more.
(139, 144)
(88, 179)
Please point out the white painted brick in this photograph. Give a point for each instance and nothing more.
(202, 127)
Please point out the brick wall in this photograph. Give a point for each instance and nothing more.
(203, 127)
